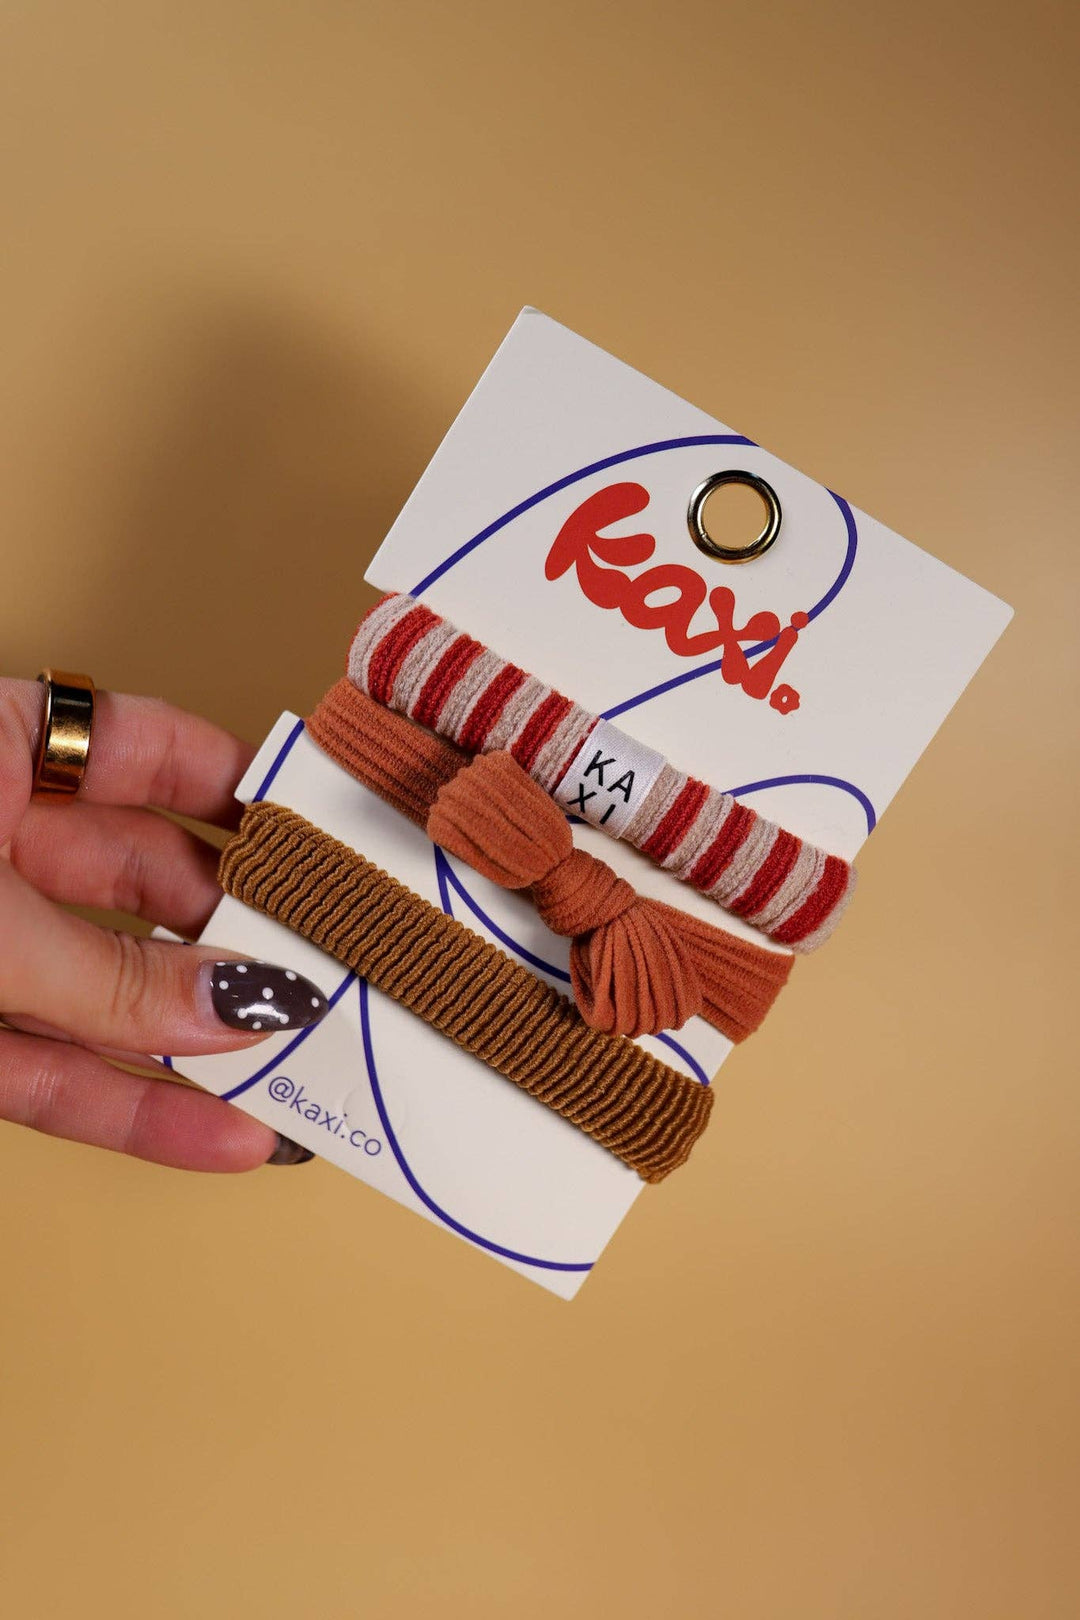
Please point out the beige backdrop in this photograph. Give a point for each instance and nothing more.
(254, 256)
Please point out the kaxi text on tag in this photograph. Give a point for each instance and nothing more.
(580, 545)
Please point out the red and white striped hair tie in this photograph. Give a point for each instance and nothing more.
(409, 659)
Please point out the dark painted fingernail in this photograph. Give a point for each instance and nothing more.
(260, 998)
(289, 1152)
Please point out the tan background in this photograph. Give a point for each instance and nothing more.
(254, 257)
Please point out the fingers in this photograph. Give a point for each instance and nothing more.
(144, 752)
(68, 1092)
(131, 1060)
(118, 860)
(137, 995)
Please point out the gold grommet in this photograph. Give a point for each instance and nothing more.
(65, 734)
(733, 554)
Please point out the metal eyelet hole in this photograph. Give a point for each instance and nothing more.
(699, 533)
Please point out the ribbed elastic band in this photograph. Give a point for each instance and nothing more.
(409, 659)
(637, 966)
(644, 1112)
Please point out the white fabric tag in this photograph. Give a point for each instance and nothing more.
(608, 778)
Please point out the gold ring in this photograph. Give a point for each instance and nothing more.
(733, 554)
(65, 734)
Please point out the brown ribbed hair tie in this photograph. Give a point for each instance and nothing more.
(637, 966)
(647, 1114)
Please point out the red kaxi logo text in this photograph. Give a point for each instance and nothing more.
(579, 544)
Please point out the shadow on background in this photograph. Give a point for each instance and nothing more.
(236, 465)
(221, 473)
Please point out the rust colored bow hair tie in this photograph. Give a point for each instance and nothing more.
(637, 966)
(409, 659)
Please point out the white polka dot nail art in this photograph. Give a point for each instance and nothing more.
(252, 995)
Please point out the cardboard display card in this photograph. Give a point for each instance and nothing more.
(552, 525)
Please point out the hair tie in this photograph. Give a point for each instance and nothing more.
(647, 1114)
(409, 659)
(637, 966)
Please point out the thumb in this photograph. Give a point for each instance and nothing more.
(113, 989)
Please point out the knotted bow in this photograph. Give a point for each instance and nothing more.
(637, 966)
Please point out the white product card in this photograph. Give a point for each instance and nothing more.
(552, 525)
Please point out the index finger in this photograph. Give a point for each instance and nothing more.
(144, 752)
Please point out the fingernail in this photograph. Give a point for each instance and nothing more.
(259, 998)
(289, 1152)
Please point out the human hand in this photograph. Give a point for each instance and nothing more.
(74, 995)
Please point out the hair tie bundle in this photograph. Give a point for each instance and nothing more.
(647, 1114)
(409, 659)
(637, 966)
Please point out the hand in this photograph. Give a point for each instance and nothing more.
(73, 995)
